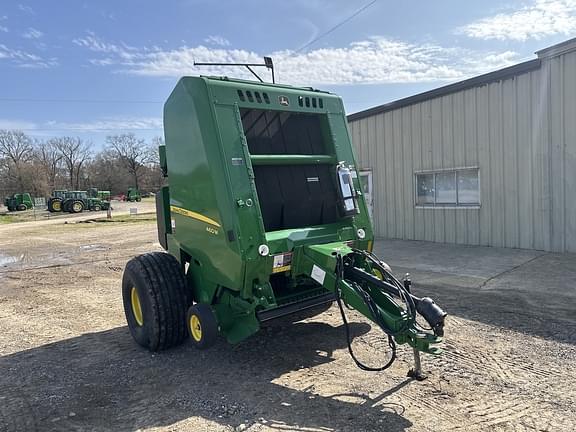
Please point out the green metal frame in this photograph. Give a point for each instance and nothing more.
(209, 215)
(204, 134)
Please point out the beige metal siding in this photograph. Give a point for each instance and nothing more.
(520, 132)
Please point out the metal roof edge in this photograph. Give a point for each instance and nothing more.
(477, 81)
(558, 49)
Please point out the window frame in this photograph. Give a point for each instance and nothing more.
(455, 205)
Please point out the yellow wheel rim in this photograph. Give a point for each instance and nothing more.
(77, 207)
(57, 205)
(195, 328)
(136, 307)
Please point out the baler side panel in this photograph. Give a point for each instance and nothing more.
(241, 200)
(194, 169)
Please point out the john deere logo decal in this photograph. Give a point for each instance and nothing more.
(283, 100)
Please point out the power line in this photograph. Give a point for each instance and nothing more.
(340, 24)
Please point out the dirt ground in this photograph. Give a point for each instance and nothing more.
(68, 362)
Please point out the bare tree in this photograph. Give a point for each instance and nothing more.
(16, 147)
(75, 153)
(133, 153)
(50, 159)
(109, 172)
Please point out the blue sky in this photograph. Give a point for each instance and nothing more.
(94, 68)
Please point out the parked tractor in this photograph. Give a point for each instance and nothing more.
(100, 194)
(133, 194)
(19, 202)
(55, 201)
(263, 216)
(78, 201)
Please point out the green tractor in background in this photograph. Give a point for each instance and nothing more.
(100, 194)
(133, 194)
(78, 201)
(55, 201)
(19, 202)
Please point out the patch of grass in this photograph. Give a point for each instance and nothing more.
(23, 216)
(6, 219)
(139, 218)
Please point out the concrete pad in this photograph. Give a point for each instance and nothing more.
(529, 291)
(461, 260)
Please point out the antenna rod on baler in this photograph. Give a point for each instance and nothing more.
(267, 64)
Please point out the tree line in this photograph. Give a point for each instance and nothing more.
(29, 164)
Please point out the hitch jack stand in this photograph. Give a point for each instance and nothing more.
(416, 373)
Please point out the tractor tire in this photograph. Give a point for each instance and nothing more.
(202, 325)
(54, 205)
(77, 207)
(156, 298)
(138, 199)
(97, 208)
(21, 207)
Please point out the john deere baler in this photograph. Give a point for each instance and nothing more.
(263, 216)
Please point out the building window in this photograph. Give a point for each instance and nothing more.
(457, 187)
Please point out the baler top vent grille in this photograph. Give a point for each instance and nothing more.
(308, 101)
(260, 98)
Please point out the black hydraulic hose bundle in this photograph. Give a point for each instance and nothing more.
(425, 306)
(389, 285)
(376, 317)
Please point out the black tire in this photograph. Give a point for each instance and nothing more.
(138, 199)
(77, 207)
(54, 205)
(163, 297)
(21, 207)
(202, 326)
(97, 207)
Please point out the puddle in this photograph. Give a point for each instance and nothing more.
(94, 247)
(8, 259)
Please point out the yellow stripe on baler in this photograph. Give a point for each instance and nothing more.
(194, 215)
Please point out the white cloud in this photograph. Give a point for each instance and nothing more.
(3, 29)
(535, 21)
(26, 9)
(32, 33)
(107, 124)
(25, 59)
(112, 125)
(217, 40)
(374, 60)
(93, 43)
(17, 124)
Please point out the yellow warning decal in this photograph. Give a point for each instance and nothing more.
(194, 215)
(281, 269)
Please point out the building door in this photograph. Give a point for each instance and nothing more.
(366, 182)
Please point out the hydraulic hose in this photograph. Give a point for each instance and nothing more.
(375, 316)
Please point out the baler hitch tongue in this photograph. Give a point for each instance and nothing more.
(364, 283)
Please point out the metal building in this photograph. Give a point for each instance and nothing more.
(487, 161)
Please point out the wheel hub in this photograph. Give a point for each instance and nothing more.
(195, 328)
(136, 307)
